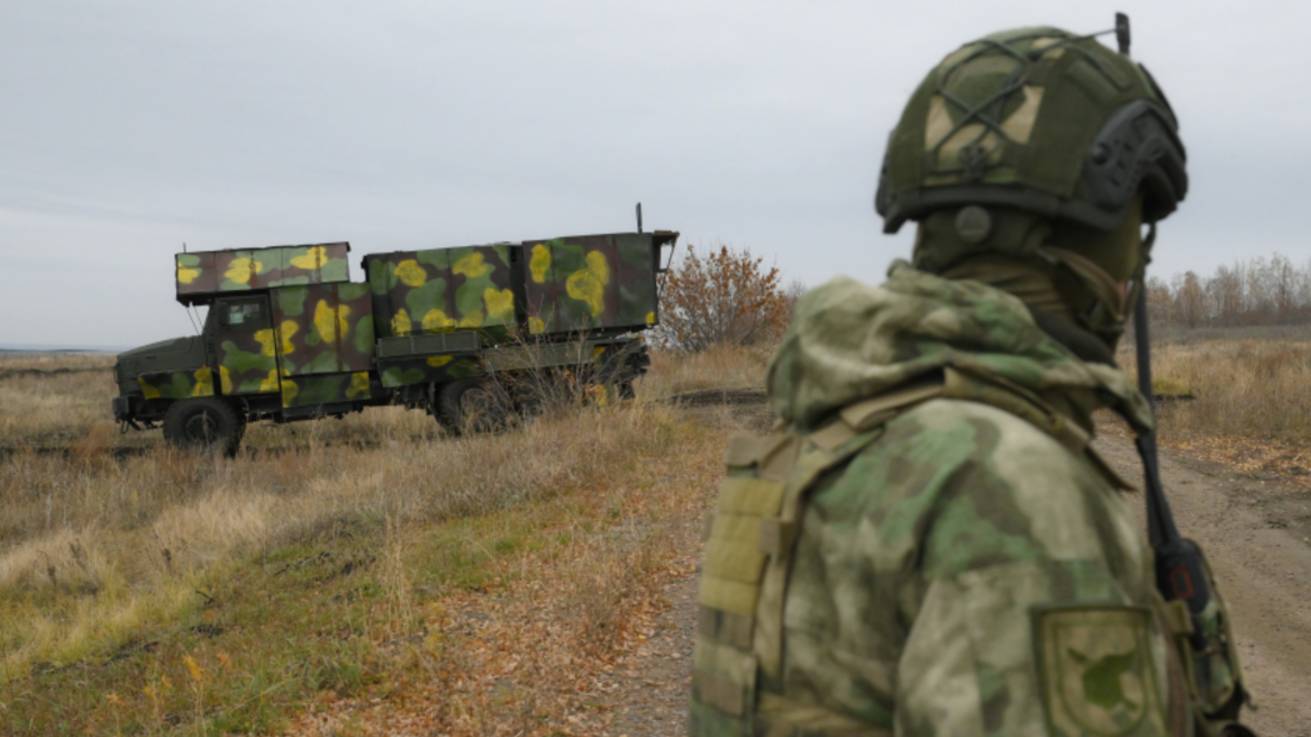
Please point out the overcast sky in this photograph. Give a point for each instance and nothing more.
(127, 128)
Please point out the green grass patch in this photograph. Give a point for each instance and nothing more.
(257, 639)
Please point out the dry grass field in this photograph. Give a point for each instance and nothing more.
(1242, 401)
(374, 576)
(146, 591)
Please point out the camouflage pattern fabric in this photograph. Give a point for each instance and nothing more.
(1011, 119)
(177, 384)
(244, 338)
(324, 328)
(318, 389)
(953, 568)
(205, 274)
(589, 282)
(428, 369)
(442, 289)
(1215, 675)
(323, 337)
(561, 285)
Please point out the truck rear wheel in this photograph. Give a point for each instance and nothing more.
(203, 424)
(473, 406)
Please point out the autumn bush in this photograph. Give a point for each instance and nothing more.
(727, 297)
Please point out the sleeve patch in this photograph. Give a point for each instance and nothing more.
(1096, 671)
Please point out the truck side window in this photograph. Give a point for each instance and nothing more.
(241, 313)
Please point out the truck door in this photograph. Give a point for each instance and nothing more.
(243, 344)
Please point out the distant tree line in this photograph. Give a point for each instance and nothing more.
(1258, 291)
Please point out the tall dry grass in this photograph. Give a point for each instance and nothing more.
(1247, 387)
(720, 367)
(94, 546)
(53, 398)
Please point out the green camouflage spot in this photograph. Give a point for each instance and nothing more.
(321, 363)
(239, 361)
(291, 301)
(364, 336)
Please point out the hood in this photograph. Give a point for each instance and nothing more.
(849, 341)
(168, 345)
(174, 354)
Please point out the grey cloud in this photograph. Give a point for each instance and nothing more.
(132, 127)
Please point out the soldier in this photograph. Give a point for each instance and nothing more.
(928, 544)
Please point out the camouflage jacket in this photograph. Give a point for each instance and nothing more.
(954, 559)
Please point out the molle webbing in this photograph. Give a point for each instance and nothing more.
(745, 567)
(724, 666)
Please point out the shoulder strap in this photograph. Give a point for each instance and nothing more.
(1028, 406)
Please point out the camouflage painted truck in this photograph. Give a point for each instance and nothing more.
(289, 337)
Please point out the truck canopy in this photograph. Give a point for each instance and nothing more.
(204, 275)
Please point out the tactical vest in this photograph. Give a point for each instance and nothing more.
(737, 663)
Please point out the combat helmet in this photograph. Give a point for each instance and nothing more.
(1040, 120)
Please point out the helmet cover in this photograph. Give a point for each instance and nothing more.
(1039, 120)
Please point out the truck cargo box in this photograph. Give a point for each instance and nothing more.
(552, 286)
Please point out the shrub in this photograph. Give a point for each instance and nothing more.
(726, 297)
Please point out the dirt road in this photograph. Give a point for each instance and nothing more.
(1257, 534)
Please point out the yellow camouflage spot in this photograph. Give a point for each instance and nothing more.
(359, 386)
(650, 318)
(324, 322)
(599, 394)
(313, 258)
(204, 386)
(472, 320)
(269, 383)
(937, 122)
(242, 269)
(225, 379)
(266, 341)
(535, 325)
(1047, 42)
(588, 284)
(410, 273)
(186, 274)
(472, 265)
(343, 321)
(435, 320)
(288, 329)
(500, 303)
(148, 390)
(540, 263)
(597, 352)
(400, 323)
(439, 361)
(1019, 124)
(289, 391)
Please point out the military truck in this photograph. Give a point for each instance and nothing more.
(287, 335)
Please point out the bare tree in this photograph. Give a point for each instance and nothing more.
(1226, 292)
(1190, 304)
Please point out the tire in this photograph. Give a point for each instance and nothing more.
(472, 406)
(204, 424)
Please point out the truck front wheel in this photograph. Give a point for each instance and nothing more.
(203, 424)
